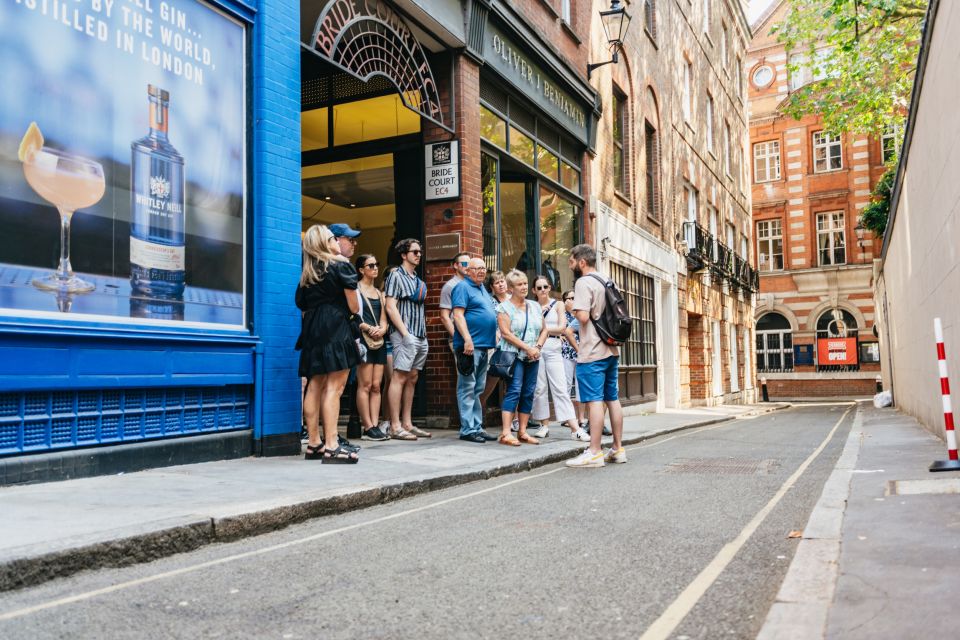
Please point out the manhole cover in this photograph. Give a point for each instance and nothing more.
(723, 466)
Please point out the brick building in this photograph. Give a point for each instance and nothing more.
(673, 213)
(815, 310)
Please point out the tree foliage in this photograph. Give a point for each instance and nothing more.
(861, 57)
(874, 215)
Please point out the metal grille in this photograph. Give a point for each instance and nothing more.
(494, 97)
(731, 466)
(37, 422)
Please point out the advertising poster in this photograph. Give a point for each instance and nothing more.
(122, 161)
(833, 351)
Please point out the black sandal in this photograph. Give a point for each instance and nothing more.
(339, 455)
(314, 452)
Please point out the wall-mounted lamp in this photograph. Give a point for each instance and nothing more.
(615, 22)
(861, 231)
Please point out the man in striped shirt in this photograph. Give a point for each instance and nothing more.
(406, 297)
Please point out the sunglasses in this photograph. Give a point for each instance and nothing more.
(372, 265)
(464, 264)
(568, 299)
(415, 252)
(542, 287)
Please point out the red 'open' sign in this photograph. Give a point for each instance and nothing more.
(836, 351)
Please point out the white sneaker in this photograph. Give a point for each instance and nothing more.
(616, 456)
(587, 459)
(580, 435)
(542, 432)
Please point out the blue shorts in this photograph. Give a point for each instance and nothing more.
(597, 381)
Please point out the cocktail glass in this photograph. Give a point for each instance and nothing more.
(68, 182)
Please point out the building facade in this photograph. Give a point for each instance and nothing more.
(815, 310)
(917, 279)
(673, 211)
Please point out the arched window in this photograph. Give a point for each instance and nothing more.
(774, 343)
(837, 323)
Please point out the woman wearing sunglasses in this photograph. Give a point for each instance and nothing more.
(552, 376)
(373, 324)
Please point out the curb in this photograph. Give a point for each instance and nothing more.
(189, 536)
(803, 602)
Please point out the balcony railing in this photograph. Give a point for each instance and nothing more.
(699, 245)
(722, 266)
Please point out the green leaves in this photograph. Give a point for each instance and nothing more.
(874, 215)
(852, 61)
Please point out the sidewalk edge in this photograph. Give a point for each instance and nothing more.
(189, 536)
(803, 602)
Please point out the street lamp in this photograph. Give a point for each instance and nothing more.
(615, 22)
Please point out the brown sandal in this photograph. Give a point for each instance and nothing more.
(526, 438)
(508, 440)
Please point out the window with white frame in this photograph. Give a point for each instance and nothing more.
(827, 152)
(770, 245)
(725, 47)
(774, 343)
(739, 70)
(690, 232)
(691, 203)
(726, 147)
(713, 217)
(798, 75)
(744, 247)
(734, 365)
(565, 11)
(687, 81)
(706, 16)
(831, 241)
(889, 142)
(766, 161)
(709, 118)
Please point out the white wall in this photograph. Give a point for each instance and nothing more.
(920, 275)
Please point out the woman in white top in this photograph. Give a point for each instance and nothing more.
(521, 331)
(552, 376)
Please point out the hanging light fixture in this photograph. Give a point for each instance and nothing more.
(615, 23)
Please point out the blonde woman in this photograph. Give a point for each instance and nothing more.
(327, 296)
(523, 332)
(552, 377)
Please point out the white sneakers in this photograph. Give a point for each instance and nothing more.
(590, 459)
(587, 459)
(542, 432)
(616, 456)
(580, 435)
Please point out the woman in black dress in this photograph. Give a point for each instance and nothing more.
(373, 324)
(327, 296)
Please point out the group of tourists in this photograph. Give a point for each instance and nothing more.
(534, 350)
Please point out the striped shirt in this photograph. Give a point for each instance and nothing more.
(410, 292)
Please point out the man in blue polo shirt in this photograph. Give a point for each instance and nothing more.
(475, 322)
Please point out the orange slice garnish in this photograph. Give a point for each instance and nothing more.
(31, 143)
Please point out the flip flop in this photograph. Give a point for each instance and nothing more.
(420, 433)
(403, 434)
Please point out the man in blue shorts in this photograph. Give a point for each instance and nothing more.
(597, 362)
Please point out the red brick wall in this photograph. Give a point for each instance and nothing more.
(820, 388)
(700, 372)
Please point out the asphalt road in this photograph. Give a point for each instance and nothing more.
(690, 536)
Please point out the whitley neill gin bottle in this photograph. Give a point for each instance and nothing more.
(157, 208)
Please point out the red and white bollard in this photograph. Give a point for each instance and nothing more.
(953, 464)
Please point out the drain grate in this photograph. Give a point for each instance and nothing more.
(728, 466)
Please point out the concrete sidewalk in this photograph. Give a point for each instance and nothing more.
(55, 529)
(880, 555)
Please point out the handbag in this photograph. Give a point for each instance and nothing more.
(372, 343)
(502, 362)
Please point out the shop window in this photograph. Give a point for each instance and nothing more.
(770, 245)
(774, 344)
(620, 156)
(488, 186)
(493, 128)
(548, 163)
(831, 243)
(827, 152)
(570, 176)
(652, 149)
(766, 161)
(518, 240)
(314, 132)
(559, 231)
(522, 146)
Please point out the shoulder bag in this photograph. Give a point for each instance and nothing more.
(502, 362)
(372, 343)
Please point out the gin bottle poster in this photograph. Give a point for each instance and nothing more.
(122, 161)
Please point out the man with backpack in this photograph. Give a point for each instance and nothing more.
(604, 324)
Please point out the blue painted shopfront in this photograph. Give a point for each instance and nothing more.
(78, 378)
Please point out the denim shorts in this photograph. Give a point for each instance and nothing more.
(597, 381)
